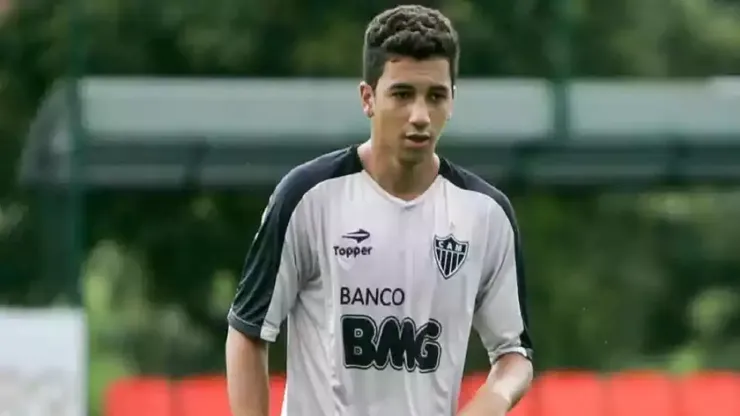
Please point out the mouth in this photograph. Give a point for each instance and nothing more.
(419, 138)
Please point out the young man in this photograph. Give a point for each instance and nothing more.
(383, 256)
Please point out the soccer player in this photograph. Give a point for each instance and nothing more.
(382, 256)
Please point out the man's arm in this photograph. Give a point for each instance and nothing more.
(508, 380)
(272, 277)
(501, 320)
(246, 375)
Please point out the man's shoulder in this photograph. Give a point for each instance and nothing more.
(469, 181)
(304, 177)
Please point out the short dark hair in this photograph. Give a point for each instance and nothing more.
(408, 31)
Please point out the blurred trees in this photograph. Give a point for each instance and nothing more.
(616, 279)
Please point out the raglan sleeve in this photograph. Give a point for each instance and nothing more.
(276, 266)
(500, 316)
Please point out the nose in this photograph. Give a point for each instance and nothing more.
(419, 117)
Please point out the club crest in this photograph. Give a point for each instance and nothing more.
(450, 254)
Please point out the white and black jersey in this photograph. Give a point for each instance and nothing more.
(380, 294)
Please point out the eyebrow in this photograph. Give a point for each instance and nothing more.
(407, 86)
(401, 86)
(440, 88)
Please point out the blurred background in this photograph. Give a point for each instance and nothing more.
(140, 140)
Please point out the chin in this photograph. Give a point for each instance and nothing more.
(416, 156)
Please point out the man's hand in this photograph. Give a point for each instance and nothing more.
(510, 377)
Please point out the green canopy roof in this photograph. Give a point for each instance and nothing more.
(171, 133)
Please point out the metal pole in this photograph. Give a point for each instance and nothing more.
(560, 52)
(74, 225)
(75, 189)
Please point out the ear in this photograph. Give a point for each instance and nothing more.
(367, 98)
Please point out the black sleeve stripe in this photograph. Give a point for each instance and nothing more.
(249, 329)
(260, 270)
(469, 181)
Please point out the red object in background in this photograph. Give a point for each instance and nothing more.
(553, 394)
(469, 388)
(710, 393)
(642, 393)
(567, 393)
(139, 397)
(202, 396)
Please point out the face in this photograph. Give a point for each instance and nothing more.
(409, 107)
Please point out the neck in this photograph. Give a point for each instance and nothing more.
(405, 181)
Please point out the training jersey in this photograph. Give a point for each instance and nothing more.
(380, 294)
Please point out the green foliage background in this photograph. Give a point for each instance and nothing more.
(647, 278)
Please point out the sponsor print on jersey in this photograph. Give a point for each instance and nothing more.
(352, 251)
(365, 296)
(449, 254)
(401, 344)
(358, 236)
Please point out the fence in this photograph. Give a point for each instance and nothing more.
(564, 393)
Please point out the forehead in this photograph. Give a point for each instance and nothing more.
(419, 73)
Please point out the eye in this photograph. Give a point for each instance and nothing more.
(436, 97)
(402, 95)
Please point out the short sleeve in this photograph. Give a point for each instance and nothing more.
(500, 316)
(275, 268)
